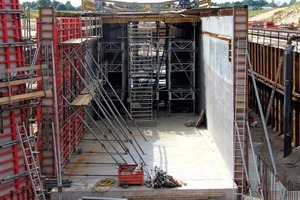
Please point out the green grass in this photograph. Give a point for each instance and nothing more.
(255, 12)
(34, 14)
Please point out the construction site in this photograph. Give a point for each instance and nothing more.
(144, 104)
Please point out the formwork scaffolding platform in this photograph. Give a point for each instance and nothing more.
(63, 45)
(140, 71)
(147, 61)
(112, 59)
(20, 94)
(181, 73)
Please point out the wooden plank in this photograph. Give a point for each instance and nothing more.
(21, 69)
(86, 94)
(201, 118)
(166, 19)
(22, 81)
(93, 18)
(82, 100)
(75, 41)
(27, 96)
(91, 27)
(91, 87)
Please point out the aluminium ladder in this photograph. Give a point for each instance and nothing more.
(140, 75)
(28, 143)
(240, 89)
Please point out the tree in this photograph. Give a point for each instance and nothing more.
(69, 6)
(32, 5)
(54, 4)
(43, 3)
(292, 2)
(61, 7)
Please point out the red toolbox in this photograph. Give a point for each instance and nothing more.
(130, 175)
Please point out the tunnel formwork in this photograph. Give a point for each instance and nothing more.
(88, 61)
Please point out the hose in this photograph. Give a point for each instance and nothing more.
(103, 185)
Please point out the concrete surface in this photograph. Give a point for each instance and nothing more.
(216, 77)
(188, 154)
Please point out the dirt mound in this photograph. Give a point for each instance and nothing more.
(283, 15)
(288, 15)
(266, 15)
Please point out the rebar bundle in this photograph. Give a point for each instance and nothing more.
(160, 179)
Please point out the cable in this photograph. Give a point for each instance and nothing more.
(103, 185)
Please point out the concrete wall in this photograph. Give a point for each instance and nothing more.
(216, 78)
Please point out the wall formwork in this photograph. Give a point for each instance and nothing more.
(52, 31)
(14, 183)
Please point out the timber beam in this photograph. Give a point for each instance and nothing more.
(279, 87)
(119, 19)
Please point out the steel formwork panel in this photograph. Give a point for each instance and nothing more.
(57, 31)
(47, 38)
(14, 183)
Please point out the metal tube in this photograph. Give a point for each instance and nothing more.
(93, 96)
(104, 135)
(102, 145)
(59, 188)
(98, 104)
(104, 99)
(109, 107)
(254, 160)
(262, 115)
(108, 129)
(98, 115)
(124, 123)
(113, 105)
(288, 99)
(106, 79)
(96, 123)
(55, 152)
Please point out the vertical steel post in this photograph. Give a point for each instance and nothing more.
(58, 150)
(288, 99)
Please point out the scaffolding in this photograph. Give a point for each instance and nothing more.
(181, 63)
(141, 71)
(84, 91)
(112, 59)
(160, 66)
